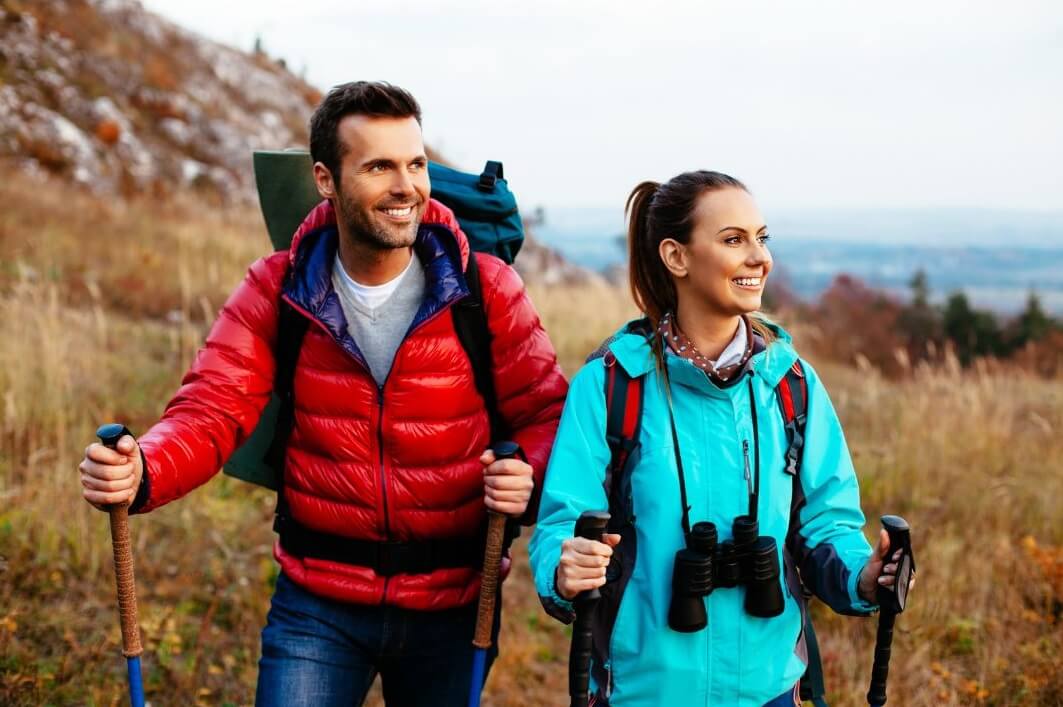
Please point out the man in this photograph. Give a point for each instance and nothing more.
(386, 479)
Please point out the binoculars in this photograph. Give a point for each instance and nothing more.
(749, 559)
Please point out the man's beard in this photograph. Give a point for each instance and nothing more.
(361, 225)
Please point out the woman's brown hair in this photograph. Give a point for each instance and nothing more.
(658, 211)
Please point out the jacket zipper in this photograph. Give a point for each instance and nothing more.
(745, 458)
(380, 448)
(380, 422)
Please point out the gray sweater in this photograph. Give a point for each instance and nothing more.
(379, 331)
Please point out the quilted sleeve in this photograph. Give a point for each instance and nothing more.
(221, 396)
(528, 380)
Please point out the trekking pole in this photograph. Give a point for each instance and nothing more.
(892, 601)
(485, 613)
(123, 571)
(591, 525)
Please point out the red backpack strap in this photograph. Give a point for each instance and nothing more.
(793, 401)
(623, 421)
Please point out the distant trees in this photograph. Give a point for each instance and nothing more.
(1033, 324)
(857, 320)
(920, 322)
(973, 332)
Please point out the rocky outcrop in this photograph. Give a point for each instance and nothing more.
(121, 101)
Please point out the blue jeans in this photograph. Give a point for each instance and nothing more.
(321, 652)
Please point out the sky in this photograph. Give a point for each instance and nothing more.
(827, 104)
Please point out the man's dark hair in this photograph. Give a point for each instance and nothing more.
(377, 99)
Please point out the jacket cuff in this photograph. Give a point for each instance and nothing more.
(561, 609)
(859, 605)
(144, 491)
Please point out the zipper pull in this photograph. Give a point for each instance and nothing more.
(745, 457)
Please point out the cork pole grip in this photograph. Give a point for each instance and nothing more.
(123, 572)
(123, 558)
(485, 614)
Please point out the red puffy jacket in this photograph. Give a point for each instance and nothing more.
(399, 463)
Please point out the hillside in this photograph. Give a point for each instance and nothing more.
(121, 102)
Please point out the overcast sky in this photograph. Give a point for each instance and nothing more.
(817, 104)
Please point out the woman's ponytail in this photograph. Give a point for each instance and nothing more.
(646, 273)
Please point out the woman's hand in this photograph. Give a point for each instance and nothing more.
(878, 572)
(583, 563)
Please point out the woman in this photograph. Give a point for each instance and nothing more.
(712, 440)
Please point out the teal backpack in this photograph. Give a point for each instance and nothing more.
(487, 212)
(482, 203)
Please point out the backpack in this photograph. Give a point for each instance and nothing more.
(487, 212)
(623, 402)
(482, 203)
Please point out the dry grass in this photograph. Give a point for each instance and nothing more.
(971, 458)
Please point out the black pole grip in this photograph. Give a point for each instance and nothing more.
(891, 602)
(591, 525)
(876, 694)
(899, 532)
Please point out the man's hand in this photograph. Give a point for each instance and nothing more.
(877, 571)
(508, 484)
(582, 565)
(110, 476)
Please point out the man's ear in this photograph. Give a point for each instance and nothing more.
(326, 187)
(674, 256)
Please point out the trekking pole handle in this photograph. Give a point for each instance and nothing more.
(892, 601)
(496, 532)
(590, 525)
(876, 694)
(123, 555)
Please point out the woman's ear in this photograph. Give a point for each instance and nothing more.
(323, 179)
(674, 256)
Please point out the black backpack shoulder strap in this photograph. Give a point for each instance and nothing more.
(470, 323)
(292, 326)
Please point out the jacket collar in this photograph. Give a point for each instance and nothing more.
(308, 285)
(631, 347)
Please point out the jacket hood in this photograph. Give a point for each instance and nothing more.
(631, 347)
(435, 213)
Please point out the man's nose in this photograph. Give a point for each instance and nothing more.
(402, 184)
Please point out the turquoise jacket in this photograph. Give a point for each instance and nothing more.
(738, 660)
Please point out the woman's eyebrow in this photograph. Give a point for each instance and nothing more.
(740, 229)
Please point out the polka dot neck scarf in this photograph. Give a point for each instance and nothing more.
(682, 346)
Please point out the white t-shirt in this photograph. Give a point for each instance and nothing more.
(369, 296)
